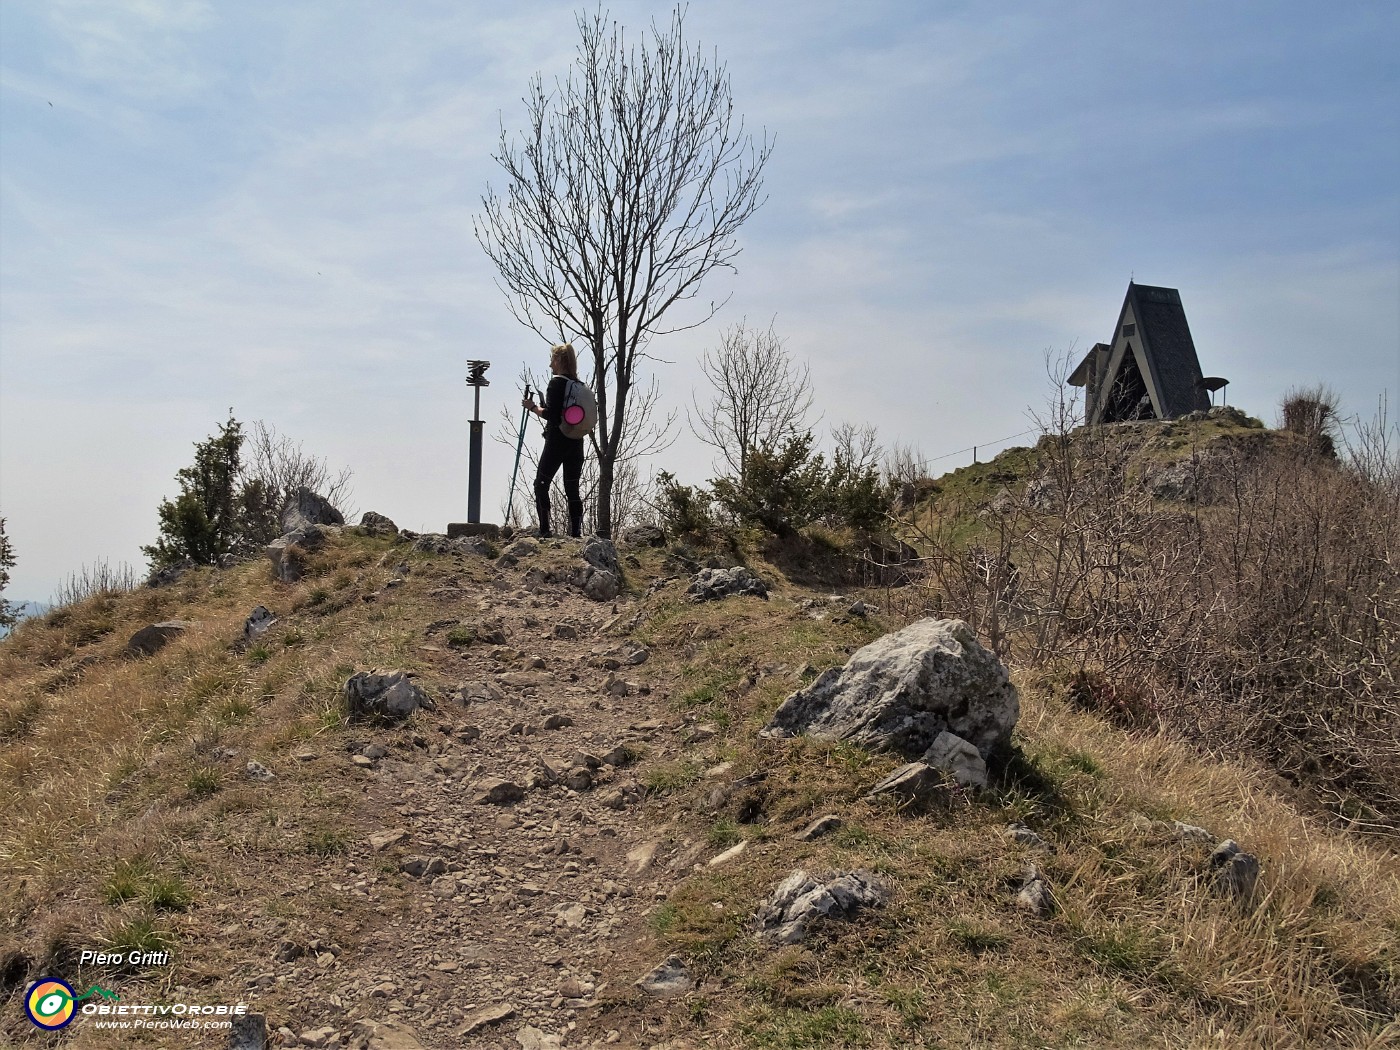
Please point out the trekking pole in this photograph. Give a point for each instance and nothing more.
(510, 500)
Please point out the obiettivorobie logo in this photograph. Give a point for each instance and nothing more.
(51, 1002)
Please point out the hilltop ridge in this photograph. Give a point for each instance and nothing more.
(382, 874)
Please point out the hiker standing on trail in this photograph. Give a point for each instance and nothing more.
(559, 450)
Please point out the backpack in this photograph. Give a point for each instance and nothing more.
(580, 413)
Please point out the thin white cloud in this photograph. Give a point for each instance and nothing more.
(138, 48)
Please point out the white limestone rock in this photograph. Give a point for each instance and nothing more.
(902, 691)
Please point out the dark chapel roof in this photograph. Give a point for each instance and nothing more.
(1165, 338)
(1170, 349)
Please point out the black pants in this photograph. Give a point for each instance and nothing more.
(560, 451)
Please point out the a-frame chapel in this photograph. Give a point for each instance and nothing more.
(1149, 370)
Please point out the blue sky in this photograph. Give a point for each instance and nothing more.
(267, 206)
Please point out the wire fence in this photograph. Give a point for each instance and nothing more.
(982, 444)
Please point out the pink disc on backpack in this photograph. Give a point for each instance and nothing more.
(573, 415)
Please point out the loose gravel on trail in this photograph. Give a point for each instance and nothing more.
(506, 856)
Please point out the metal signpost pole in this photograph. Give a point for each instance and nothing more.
(476, 379)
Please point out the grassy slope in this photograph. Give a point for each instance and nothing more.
(1138, 951)
(119, 820)
(1147, 446)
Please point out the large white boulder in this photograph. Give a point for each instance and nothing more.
(902, 691)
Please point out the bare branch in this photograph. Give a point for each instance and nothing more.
(858, 447)
(282, 466)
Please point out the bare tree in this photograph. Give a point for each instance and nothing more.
(904, 467)
(627, 187)
(761, 397)
(858, 447)
(1373, 447)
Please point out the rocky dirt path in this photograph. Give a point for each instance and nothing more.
(510, 855)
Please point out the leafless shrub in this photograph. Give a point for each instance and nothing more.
(1311, 413)
(274, 468)
(101, 579)
(905, 465)
(857, 446)
(1266, 622)
(1372, 447)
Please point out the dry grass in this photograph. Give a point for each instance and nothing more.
(123, 777)
(1139, 950)
(126, 821)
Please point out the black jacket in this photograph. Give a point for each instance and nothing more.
(554, 410)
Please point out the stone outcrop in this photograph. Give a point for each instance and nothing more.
(531, 1038)
(597, 574)
(437, 543)
(1019, 833)
(819, 827)
(288, 553)
(383, 696)
(1034, 896)
(495, 791)
(485, 1016)
(259, 620)
(601, 554)
(1194, 479)
(601, 585)
(168, 574)
(307, 508)
(902, 691)
(669, 979)
(601, 575)
(911, 783)
(1231, 872)
(1190, 833)
(644, 536)
(959, 759)
(524, 547)
(377, 524)
(1236, 872)
(383, 1035)
(802, 900)
(157, 636)
(710, 585)
(248, 1032)
(473, 530)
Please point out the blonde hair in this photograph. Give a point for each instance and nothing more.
(564, 355)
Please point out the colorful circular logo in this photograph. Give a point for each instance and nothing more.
(50, 1003)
